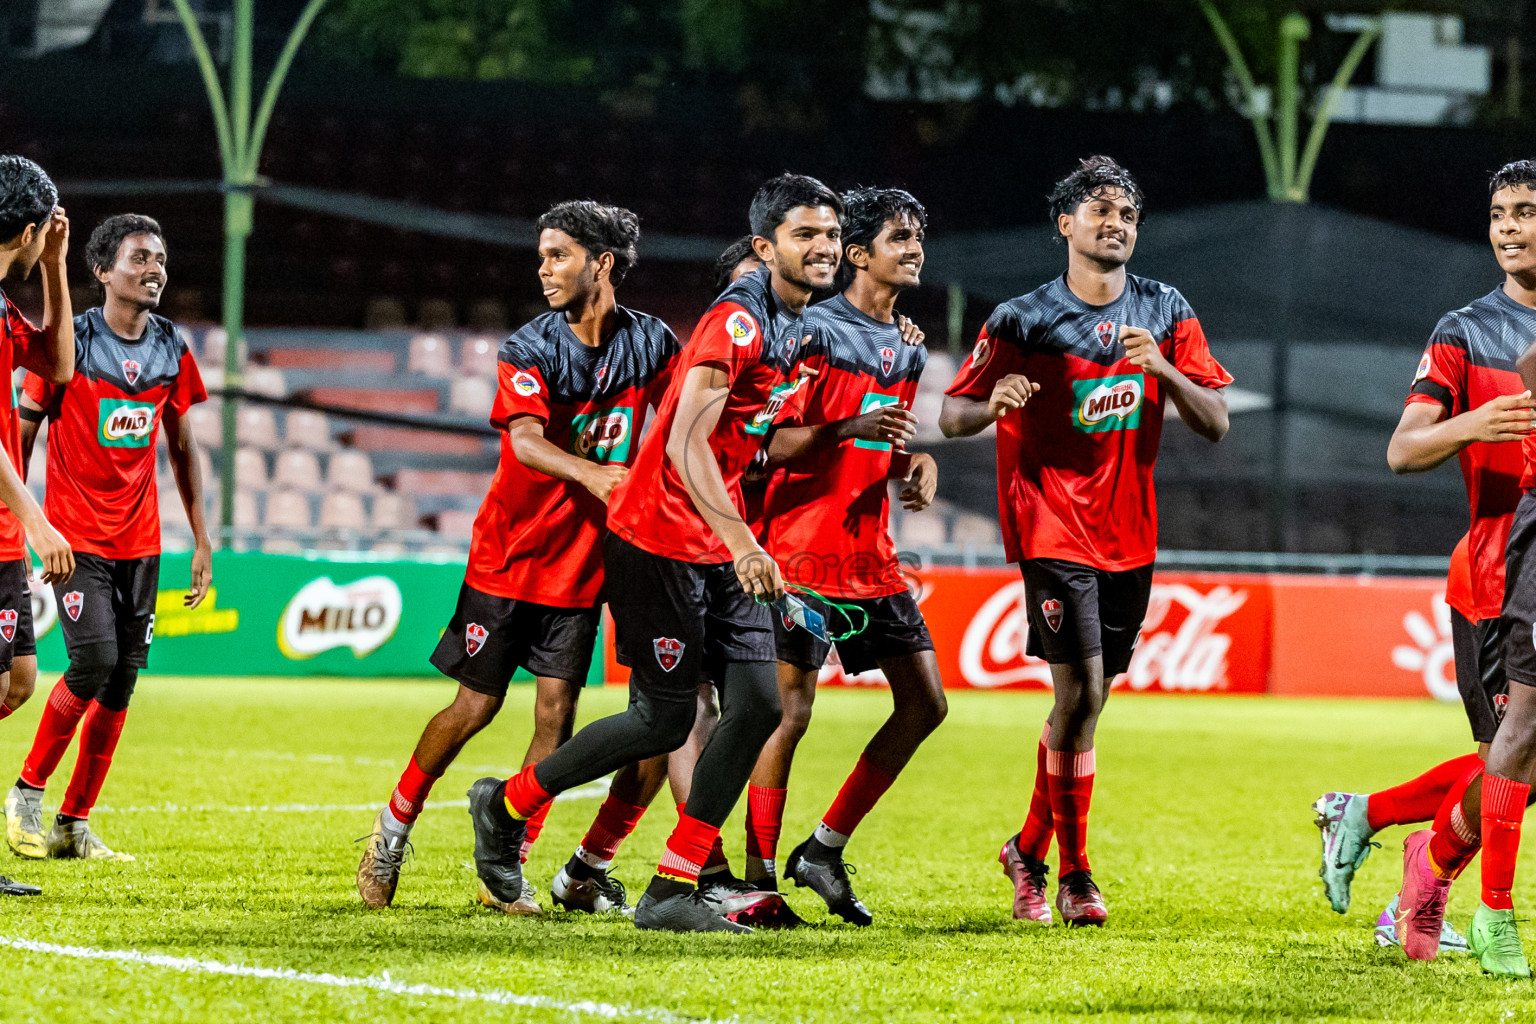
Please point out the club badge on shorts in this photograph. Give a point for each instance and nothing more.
(474, 638)
(72, 604)
(668, 652)
(8, 624)
(1051, 609)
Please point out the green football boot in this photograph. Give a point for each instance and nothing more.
(1495, 941)
(1340, 817)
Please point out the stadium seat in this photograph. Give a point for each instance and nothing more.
(257, 426)
(473, 396)
(973, 530)
(455, 523)
(173, 514)
(247, 515)
(250, 469)
(286, 510)
(297, 468)
(393, 511)
(488, 315)
(429, 354)
(358, 360)
(282, 546)
(926, 406)
(306, 428)
(442, 481)
(390, 548)
(436, 314)
(405, 439)
(212, 351)
(383, 313)
(343, 510)
(207, 421)
(350, 470)
(266, 380)
(922, 529)
(478, 355)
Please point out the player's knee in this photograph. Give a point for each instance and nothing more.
(795, 718)
(116, 695)
(555, 711)
(929, 708)
(472, 711)
(23, 682)
(90, 669)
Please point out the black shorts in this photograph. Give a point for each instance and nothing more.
(1480, 679)
(673, 620)
(489, 637)
(110, 601)
(16, 637)
(896, 628)
(1519, 613)
(1077, 611)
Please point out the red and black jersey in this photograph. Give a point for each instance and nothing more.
(1470, 361)
(17, 335)
(538, 538)
(828, 513)
(101, 436)
(750, 333)
(1458, 581)
(1074, 466)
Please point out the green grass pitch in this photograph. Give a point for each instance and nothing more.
(1202, 841)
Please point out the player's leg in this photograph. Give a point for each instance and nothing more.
(554, 716)
(1498, 801)
(13, 592)
(769, 784)
(20, 684)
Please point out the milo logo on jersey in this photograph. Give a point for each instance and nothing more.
(874, 401)
(1108, 403)
(122, 423)
(602, 436)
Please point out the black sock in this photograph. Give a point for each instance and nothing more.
(663, 888)
(819, 851)
(65, 819)
(499, 809)
(22, 785)
(581, 870)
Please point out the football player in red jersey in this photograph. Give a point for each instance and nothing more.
(132, 370)
(575, 385)
(686, 572)
(34, 231)
(1076, 375)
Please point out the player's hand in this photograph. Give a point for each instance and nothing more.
(601, 480)
(1143, 351)
(202, 577)
(922, 481)
(56, 243)
(889, 424)
(1506, 418)
(911, 334)
(50, 546)
(759, 576)
(1009, 394)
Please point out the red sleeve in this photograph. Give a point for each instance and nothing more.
(520, 391)
(40, 390)
(188, 390)
(1191, 355)
(1442, 374)
(996, 355)
(728, 335)
(27, 340)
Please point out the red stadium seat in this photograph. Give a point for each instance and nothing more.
(429, 354)
(398, 400)
(360, 360)
(404, 439)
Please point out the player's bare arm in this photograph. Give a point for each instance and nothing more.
(1427, 435)
(31, 420)
(54, 360)
(911, 334)
(537, 452)
(49, 544)
(1203, 409)
(920, 473)
(700, 403)
(962, 416)
(189, 482)
(891, 424)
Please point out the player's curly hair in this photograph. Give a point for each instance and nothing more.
(865, 212)
(1093, 177)
(1516, 172)
(599, 228)
(730, 259)
(101, 250)
(777, 196)
(27, 195)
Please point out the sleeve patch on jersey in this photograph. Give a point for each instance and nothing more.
(741, 327)
(1423, 370)
(981, 353)
(525, 384)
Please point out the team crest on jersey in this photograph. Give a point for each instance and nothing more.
(1107, 403)
(8, 624)
(1051, 609)
(474, 638)
(131, 371)
(668, 652)
(525, 384)
(602, 373)
(72, 604)
(1423, 370)
(981, 353)
(1106, 332)
(887, 359)
(742, 328)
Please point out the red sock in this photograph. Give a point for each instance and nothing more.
(1035, 836)
(615, 820)
(98, 740)
(1453, 848)
(1071, 779)
(687, 849)
(1503, 811)
(765, 820)
(534, 827)
(1453, 796)
(60, 716)
(1417, 799)
(524, 794)
(863, 788)
(410, 794)
(717, 860)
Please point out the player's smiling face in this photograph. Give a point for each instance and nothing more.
(1512, 228)
(896, 256)
(806, 247)
(1103, 227)
(138, 275)
(567, 272)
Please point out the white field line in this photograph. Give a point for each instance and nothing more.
(366, 762)
(375, 982)
(589, 792)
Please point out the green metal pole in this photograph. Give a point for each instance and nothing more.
(238, 209)
(956, 319)
(1293, 30)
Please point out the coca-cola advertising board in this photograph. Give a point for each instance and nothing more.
(1203, 633)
